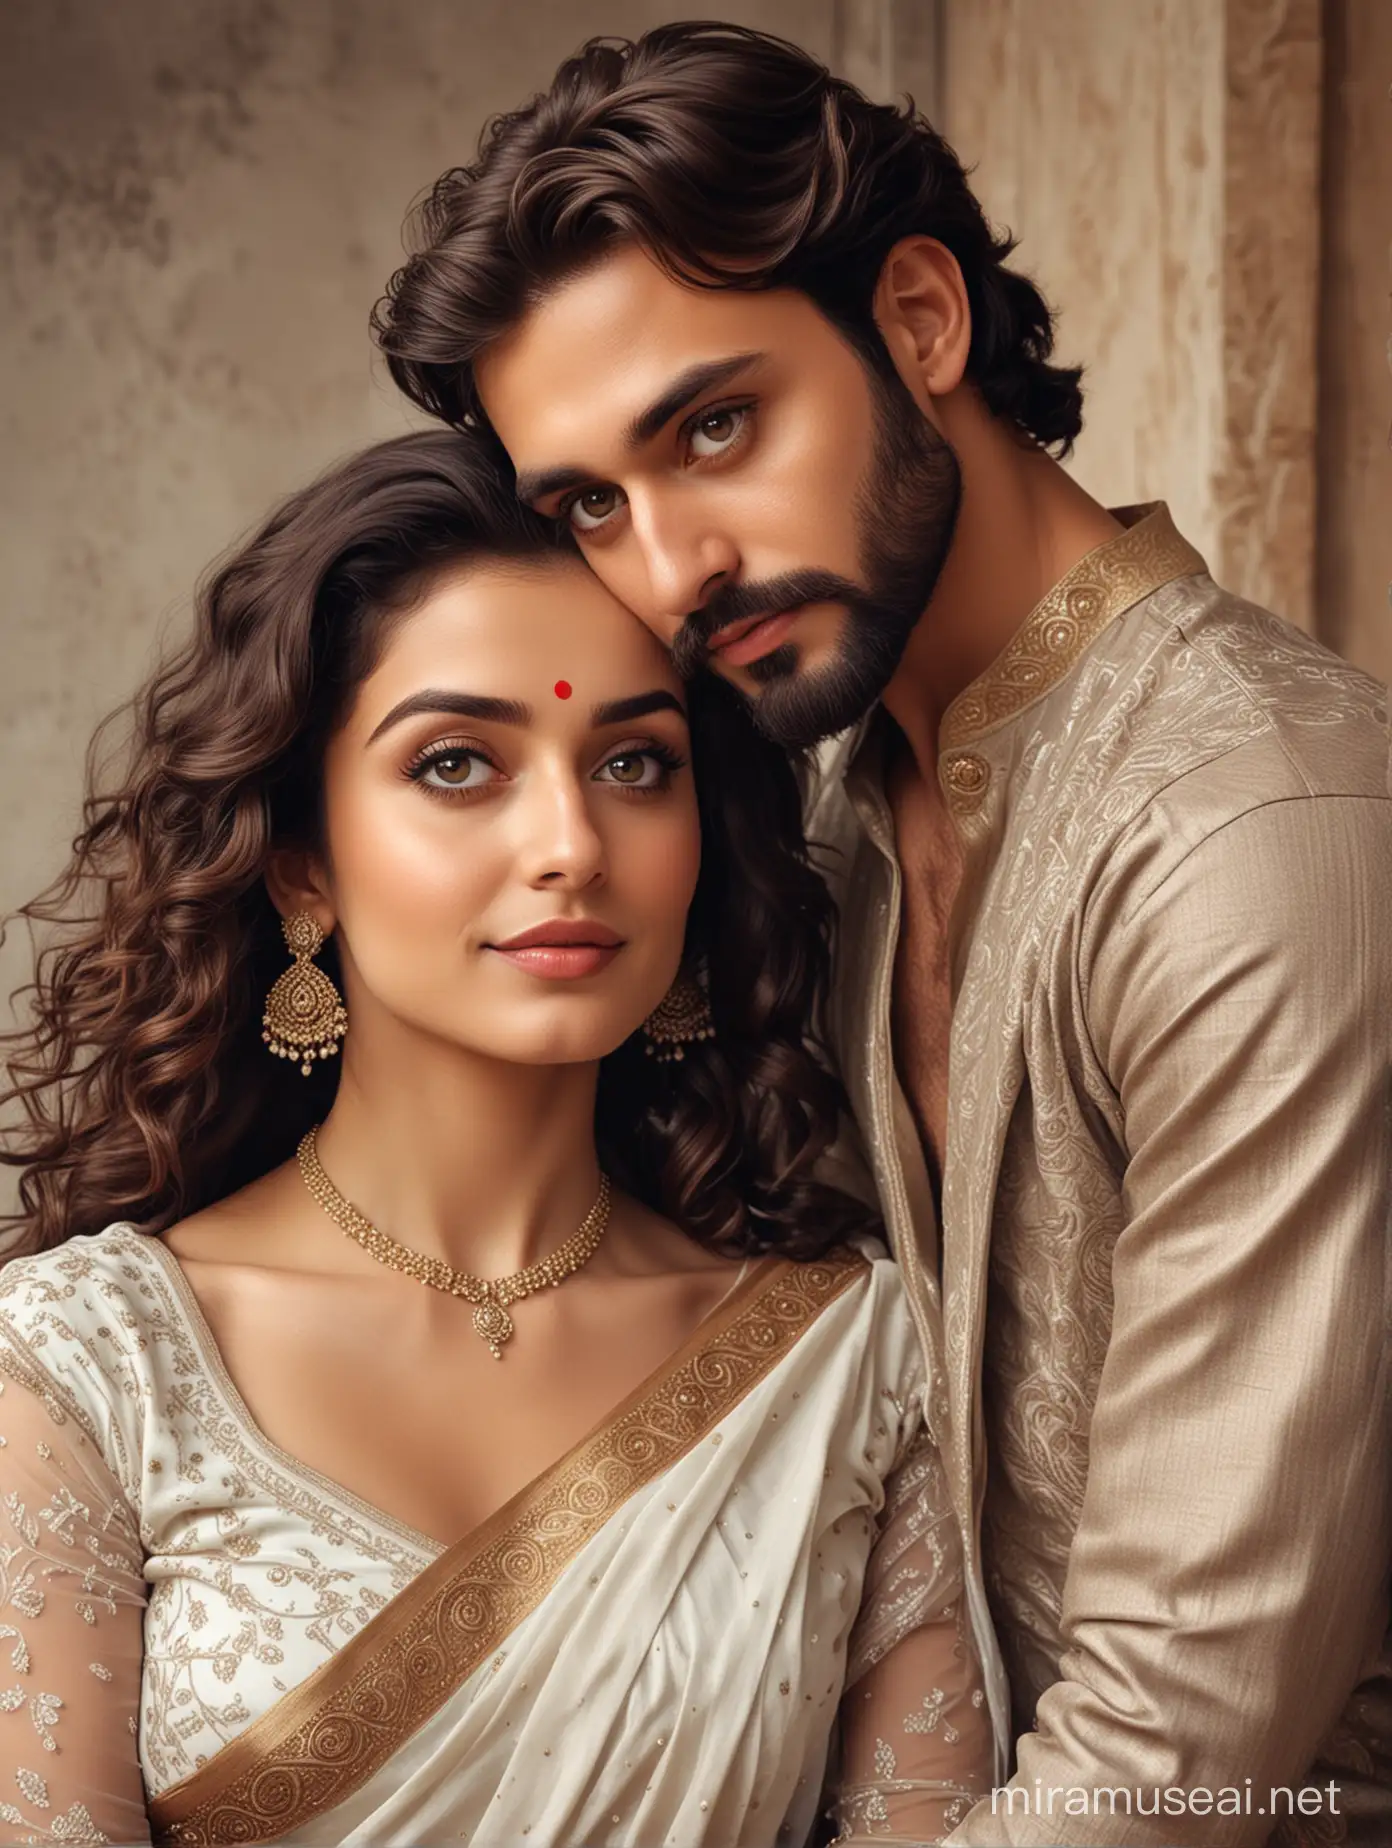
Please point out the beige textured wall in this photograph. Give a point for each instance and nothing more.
(199, 201)
(1355, 460)
(1159, 161)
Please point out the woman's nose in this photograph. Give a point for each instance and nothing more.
(564, 847)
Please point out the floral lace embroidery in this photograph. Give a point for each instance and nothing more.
(100, 1331)
(916, 1562)
(926, 1721)
(866, 1811)
(102, 1545)
(74, 1825)
(912, 1632)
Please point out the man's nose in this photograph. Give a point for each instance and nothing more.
(688, 558)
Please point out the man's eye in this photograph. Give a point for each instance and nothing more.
(593, 508)
(714, 431)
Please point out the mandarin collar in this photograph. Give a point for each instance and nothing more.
(1106, 582)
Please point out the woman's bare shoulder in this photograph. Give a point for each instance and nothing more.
(257, 1225)
(642, 1243)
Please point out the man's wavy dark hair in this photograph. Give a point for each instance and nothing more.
(140, 1089)
(738, 162)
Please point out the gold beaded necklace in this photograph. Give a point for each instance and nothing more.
(491, 1299)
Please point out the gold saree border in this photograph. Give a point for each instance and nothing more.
(1145, 556)
(337, 1728)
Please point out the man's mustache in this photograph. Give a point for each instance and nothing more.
(738, 602)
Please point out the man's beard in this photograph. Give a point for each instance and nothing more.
(906, 511)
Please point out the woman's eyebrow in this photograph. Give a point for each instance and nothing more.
(636, 706)
(462, 705)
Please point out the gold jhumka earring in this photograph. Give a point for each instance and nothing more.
(680, 1018)
(305, 1018)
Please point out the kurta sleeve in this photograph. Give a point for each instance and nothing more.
(72, 1595)
(916, 1748)
(1226, 1585)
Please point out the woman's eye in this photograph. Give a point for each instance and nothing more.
(456, 770)
(593, 508)
(714, 431)
(637, 770)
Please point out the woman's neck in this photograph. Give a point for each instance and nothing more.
(486, 1164)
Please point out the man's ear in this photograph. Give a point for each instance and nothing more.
(924, 317)
(296, 883)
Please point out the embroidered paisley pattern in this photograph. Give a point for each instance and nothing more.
(1062, 626)
(1134, 674)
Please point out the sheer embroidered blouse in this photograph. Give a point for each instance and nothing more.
(167, 1574)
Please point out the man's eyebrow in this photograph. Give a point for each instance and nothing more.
(535, 484)
(463, 705)
(705, 375)
(637, 706)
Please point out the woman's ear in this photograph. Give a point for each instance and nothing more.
(296, 884)
(924, 317)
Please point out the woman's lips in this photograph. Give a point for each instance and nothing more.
(748, 644)
(561, 950)
(560, 961)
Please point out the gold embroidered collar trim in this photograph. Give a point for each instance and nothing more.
(1103, 584)
(331, 1733)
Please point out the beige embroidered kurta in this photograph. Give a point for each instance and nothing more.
(1154, 1318)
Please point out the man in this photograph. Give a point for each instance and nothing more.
(1114, 855)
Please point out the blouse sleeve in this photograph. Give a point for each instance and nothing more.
(72, 1594)
(916, 1745)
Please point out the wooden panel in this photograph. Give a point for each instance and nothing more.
(863, 45)
(1355, 464)
(888, 47)
(1265, 490)
(1157, 161)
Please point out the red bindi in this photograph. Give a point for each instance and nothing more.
(563, 689)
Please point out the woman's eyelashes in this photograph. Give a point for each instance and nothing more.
(463, 771)
(453, 770)
(710, 435)
(643, 769)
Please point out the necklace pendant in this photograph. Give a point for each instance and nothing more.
(494, 1325)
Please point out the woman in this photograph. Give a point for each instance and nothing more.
(533, 1451)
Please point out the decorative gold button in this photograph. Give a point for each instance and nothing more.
(968, 775)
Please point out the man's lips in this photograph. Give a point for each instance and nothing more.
(563, 948)
(738, 643)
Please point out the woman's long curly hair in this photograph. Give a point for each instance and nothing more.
(140, 1084)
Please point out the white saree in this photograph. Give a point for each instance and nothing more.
(650, 1644)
